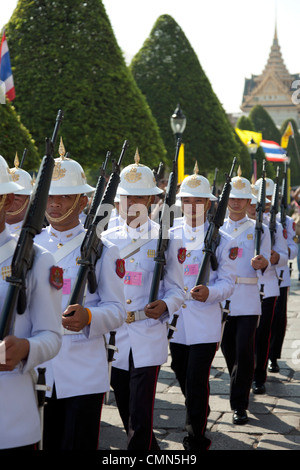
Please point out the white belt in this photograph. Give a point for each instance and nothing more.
(246, 280)
(135, 316)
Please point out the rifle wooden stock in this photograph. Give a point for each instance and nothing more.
(166, 221)
(211, 240)
(260, 208)
(91, 248)
(32, 225)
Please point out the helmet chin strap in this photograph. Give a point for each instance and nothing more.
(18, 211)
(238, 211)
(2, 202)
(63, 217)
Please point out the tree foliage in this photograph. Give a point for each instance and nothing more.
(168, 72)
(64, 55)
(14, 138)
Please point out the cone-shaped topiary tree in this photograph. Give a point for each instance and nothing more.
(168, 72)
(64, 55)
(14, 138)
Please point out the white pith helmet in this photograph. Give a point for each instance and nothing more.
(240, 187)
(21, 177)
(269, 186)
(68, 176)
(7, 184)
(255, 192)
(137, 180)
(196, 186)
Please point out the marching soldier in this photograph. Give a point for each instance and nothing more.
(280, 314)
(142, 340)
(16, 213)
(198, 329)
(269, 286)
(78, 375)
(35, 337)
(239, 332)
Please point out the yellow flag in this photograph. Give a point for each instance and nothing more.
(246, 136)
(181, 164)
(287, 134)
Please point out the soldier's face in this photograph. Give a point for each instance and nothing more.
(237, 205)
(64, 210)
(18, 209)
(195, 208)
(134, 209)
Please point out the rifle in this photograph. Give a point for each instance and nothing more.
(212, 236)
(166, 221)
(33, 223)
(91, 247)
(23, 157)
(283, 205)
(260, 208)
(212, 210)
(274, 208)
(159, 172)
(98, 193)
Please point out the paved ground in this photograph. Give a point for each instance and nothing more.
(274, 418)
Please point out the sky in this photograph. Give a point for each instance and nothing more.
(232, 38)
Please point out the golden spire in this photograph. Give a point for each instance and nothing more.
(61, 149)
(196, 168)
(16, 161)
(239, 172)
(137, 157)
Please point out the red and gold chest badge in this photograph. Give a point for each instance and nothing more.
(285, 235)
(181, 255)
(120, 268)
(56, 277)
(233, 252)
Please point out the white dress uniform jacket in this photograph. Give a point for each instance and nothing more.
(269, 277)
(81, 366)
(289, 235)
(146, 338)
(245, 299)
(19, 416)
(200, 322)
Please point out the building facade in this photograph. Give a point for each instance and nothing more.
(273, 89)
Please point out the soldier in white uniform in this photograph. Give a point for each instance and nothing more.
(16, 213)
(79, 373)
(198, 332)
(269, 287)
(35, 337)
(280, 314)
(245, 307)
(142, 340)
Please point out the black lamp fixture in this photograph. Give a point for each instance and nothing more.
(178, 122)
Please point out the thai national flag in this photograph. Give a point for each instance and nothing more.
(6, 75)
(273, 151)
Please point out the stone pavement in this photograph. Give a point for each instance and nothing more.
(274, 418)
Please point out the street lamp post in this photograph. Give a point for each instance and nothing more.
(252, 149)
(178, 122)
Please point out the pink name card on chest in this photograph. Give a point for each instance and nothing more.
(191, 269)
(133, 278)
(66, 290)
